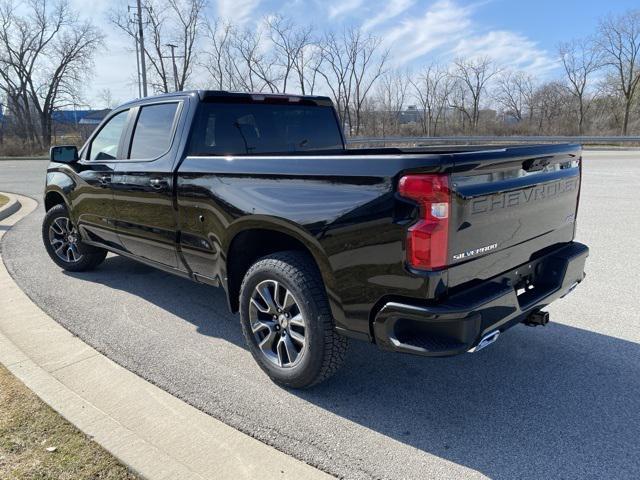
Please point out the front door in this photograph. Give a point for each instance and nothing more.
(143, 185)
(92, 199)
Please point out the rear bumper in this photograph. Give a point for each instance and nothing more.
(457, 324)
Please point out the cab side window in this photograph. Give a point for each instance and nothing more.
(105, 144)
(153, 132)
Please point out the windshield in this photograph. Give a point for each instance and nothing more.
(254, 128)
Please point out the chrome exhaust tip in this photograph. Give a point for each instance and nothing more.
(487, 340)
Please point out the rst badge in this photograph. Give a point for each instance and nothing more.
(474, 252)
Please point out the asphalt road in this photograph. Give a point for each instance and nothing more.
(555, 402)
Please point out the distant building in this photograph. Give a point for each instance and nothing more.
(410, 115)
(79, 117)
(95, 117)
(67, 123)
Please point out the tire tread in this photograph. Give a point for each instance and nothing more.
(92, 256)
(298, 267)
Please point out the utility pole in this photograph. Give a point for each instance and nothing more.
(133, 20)
(143, 67)
(2, 120)
(138, 67)
(173, 60)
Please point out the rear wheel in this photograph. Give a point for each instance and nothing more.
(287, 322)
(64, 245)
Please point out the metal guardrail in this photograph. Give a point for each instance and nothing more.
(584, 140)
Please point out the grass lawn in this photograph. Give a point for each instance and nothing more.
(3, 200)
(37, 443)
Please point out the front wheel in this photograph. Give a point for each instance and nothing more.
(287, 322)
(63, 244)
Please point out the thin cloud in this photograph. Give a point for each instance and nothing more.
(392, 9)
(448, 30)
(342, 7)
(508, 50)
(237, 11)
(445, 22)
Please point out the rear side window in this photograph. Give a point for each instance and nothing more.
(153, 131)
(254, 128)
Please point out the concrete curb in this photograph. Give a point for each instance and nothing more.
(11, 207)
(149, 430)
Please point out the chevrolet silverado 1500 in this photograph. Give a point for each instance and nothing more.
(429, 251)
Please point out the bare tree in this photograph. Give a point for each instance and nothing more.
(473, 75)
(461, 104)
(177, 22)
(367, 65)
(432, 89)
(609, 105)
(514, 92)
(256, 70)
(392, 94)
(218, 58)
(336, 72)
(44, 58)
(307, 66)
(580, 60)
(352, 62)
(188, 15)
(289, 43)
(550, 101)
(619, 41)
(106, 97)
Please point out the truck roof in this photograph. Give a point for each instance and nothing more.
(241, 96)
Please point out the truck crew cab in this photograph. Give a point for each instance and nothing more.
(432, 251)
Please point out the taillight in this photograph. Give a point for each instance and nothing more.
(428, 239)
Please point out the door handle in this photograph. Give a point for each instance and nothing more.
(104, 179)
(158, 183)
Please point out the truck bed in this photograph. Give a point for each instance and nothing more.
(345, 206)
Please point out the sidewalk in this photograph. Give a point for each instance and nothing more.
(152, 432)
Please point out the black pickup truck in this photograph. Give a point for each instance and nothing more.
(428, 251)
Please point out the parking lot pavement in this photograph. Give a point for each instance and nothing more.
(555, 402)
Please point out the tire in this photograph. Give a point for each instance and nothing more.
(72, 255)
(293, 282)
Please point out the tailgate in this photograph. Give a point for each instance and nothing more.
(510, 203)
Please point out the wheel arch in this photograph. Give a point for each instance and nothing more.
(53, 198)
(59, 185)
(253, 240)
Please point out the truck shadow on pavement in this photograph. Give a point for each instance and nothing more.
(553, 402)
(558, 402)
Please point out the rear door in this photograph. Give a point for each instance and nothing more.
(143, 184)
(509, 204)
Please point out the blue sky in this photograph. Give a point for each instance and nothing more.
(549, 21)
(518, 34)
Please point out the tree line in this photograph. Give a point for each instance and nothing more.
(47, 54)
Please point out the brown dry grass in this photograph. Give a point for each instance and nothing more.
(3, 200)
(28, 427)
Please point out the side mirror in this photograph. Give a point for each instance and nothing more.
(64, 154)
